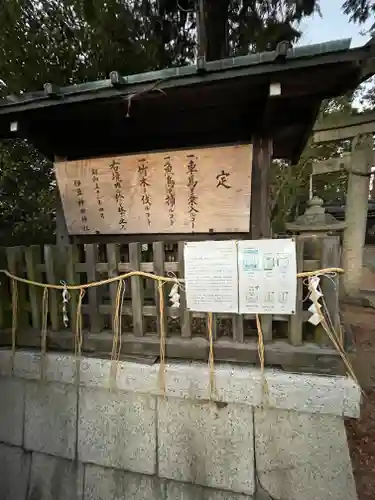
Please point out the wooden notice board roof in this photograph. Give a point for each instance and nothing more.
(224, 101)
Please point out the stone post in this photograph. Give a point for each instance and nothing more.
(356, 212)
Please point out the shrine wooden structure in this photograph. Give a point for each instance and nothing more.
(269, 100)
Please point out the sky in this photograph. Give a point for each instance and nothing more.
(333, 25)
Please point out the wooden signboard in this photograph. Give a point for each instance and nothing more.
(184, 191)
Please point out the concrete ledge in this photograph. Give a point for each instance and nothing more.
(54, 478)
(5, 362)
(36, 476)
(12, 397)
(131, 376)
(14, 473)
(105, 484)
(117, 429)
(301, 456)
(206, 444)
(134, 443)
(50, 418)
(305, 393)
(235, 384)
(181, 491)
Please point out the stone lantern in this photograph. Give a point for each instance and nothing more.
(315, 222)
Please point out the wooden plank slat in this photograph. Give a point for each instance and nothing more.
(5, 298)
(124, 239)
(150, 311)
(15, 266)
(124, 267)
(159, 258)
(72, 278)
(312, 357)
(96, 320)
(31, 259)
(296, 321)
(50, 259)
(214, 325)
(330, 284)
(185, 315)
(266, 321)
(137, 289)
(311, 265)
(113, 257)
(237, 325)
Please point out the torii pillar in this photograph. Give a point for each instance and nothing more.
(360, 129)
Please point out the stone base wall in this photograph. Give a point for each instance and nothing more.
(76, 435)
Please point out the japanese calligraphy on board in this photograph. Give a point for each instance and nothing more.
(201, 190)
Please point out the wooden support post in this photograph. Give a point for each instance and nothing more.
(330, 285)
(260, 189)
(356, 212)
(296, 320)
(260, 205)
(137, 290)
(159, 260)
(62, 235)
(113, 257)
(94, 293)
(372, 192)
(4, 303)
(73, 278)
(185, 314)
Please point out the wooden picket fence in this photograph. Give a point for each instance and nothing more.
(290, 340)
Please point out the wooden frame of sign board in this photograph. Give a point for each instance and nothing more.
(257, 226)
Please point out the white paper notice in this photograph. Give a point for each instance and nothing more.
(211, 276)
(267, 276)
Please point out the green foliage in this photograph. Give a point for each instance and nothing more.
(26, 195)
(69, 41)
(236, 27)
(360, 11)
(260, 25)
(289, 189)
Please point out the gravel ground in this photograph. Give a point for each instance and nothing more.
(361, 433)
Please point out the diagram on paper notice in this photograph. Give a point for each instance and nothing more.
(267, 273)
